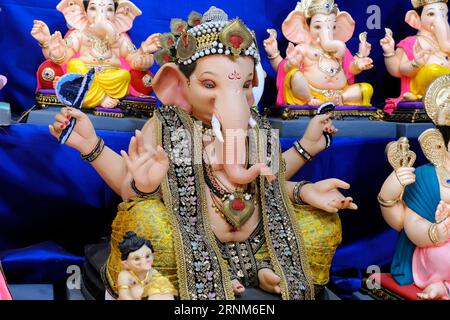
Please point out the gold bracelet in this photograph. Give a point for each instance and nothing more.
(124, 287)
(44, 45)
(414, 64)
(432, 234)
(389, 55)
(387, 203)
(276, 55)
(59, 60)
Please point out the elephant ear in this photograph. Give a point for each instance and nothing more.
(170, 86)
(74, 13)
(413, 19)
(345, 26)
(295, 28)
(126, 12)
(433, 146)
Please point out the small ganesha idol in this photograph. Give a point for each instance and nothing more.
(320, 68)
(98, 39)
(422, 58)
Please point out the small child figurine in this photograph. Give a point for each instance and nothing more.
(139, 280)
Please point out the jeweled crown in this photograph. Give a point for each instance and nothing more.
(420, 3)
(204, 35)
(313, 7)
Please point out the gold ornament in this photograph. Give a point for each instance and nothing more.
(437, 101)
(236, 37)
(399, 155)
(433, 146)
(443, 176)
(313, 7)
(420, 3)
(48, 74)
(178, 26)
(186, 46)
(194, 19)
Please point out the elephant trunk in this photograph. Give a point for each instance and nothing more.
(230, 125)
(103, 28)
(442, 33)
(330, 45)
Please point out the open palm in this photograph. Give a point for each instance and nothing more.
(147, 166)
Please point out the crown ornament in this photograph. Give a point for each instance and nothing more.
(312, 7)
(420, 3)
(205, 35)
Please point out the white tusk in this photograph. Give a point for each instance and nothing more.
(215, 123)
(252, 122)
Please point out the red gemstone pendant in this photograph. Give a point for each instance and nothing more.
(238, 205)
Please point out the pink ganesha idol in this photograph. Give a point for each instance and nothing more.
(319, 68)
(422, 58)
(416, 202)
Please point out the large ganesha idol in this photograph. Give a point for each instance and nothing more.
(422, 58)
(98, 39)
(205, 180)
(320, 68)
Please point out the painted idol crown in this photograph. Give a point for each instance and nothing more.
(420, 3)
(437, 101)
(204, 35)
(313, 7)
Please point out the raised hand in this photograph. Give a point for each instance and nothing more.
(405, 176)
(325, 195)
(313, 139)
(83, 137)
(57, 46)
(40, 31)
(294, 55)
(442, 216)
(364, 63)
(271, 45)
(388, 44)
(152, 44)
(364, 48)
(147, 166)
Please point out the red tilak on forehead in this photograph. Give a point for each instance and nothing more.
(234, 75)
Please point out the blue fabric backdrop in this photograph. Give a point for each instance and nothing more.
(21, 55)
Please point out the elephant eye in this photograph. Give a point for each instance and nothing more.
(317, 27)
(208, 84)
(248, 84)
(430, 14)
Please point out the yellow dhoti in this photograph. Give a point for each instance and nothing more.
(321, 234)
(424, 77)
(326, 95)
(111, 82)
